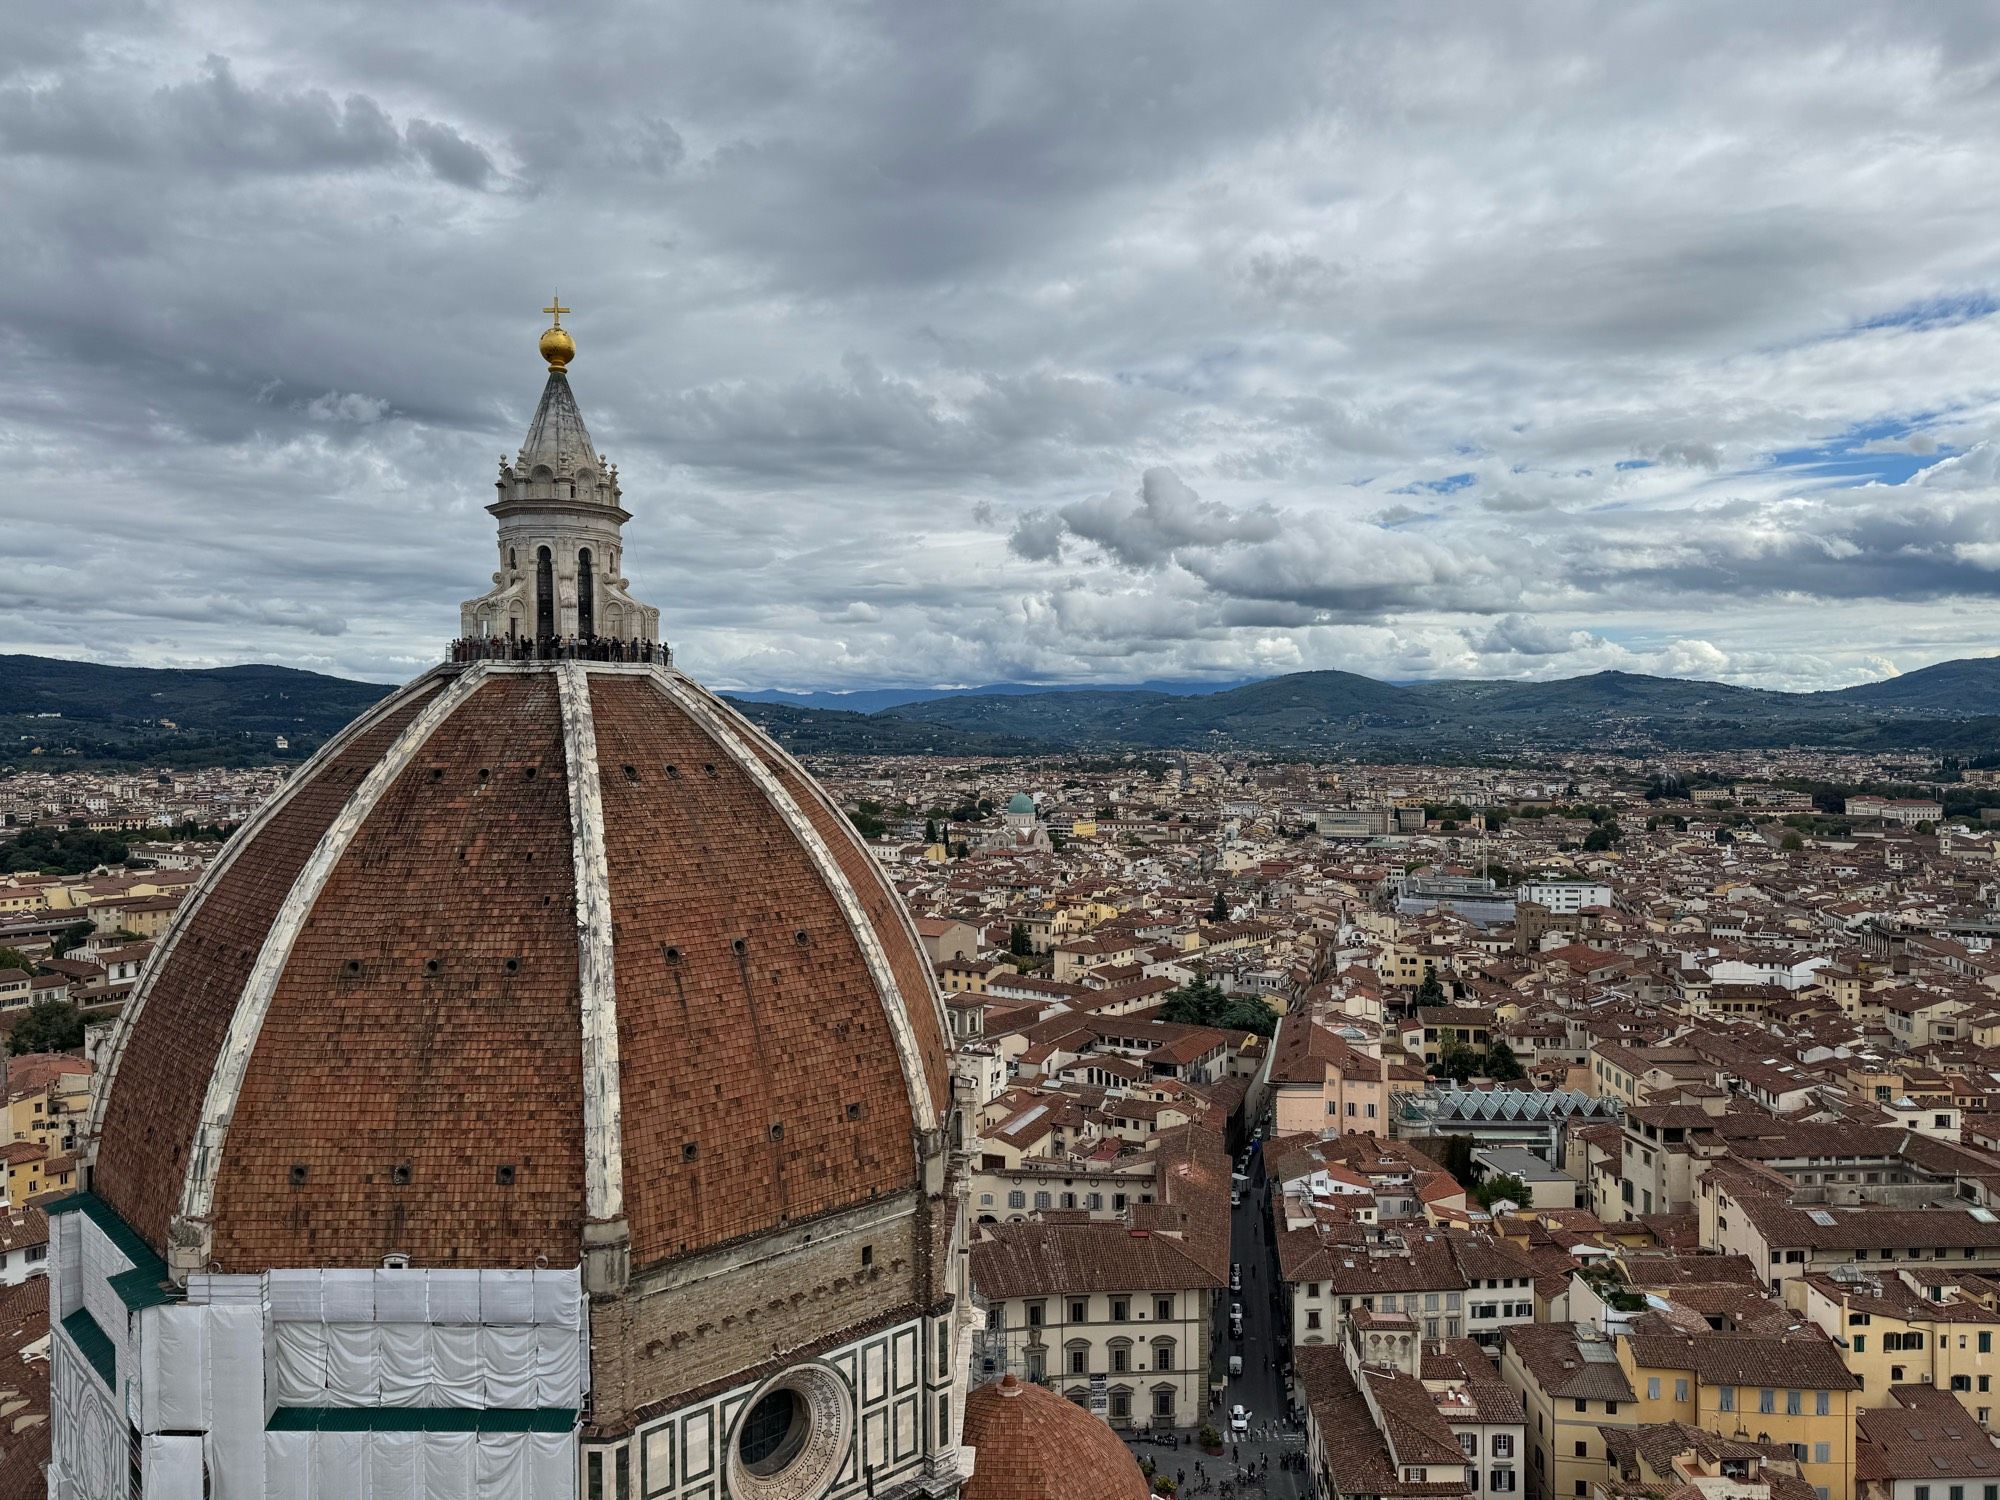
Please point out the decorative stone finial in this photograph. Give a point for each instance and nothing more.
(558, 348)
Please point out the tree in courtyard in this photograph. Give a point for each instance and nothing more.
(1501, 1185)
(14, 958)
(1455, 1156)
(1431, 991)
(930, 830)
(1458, 1062)
(1219, 910)
(1018, 942)
(1204, 1004)
(70, 937)
(1502, 1065)
(49, 1026)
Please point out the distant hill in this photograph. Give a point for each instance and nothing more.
(873, 700)
(215, 715)
(1969, 686)
(819, 731)
(1329, 712)
(233, 715)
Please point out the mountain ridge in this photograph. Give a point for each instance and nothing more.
(234, 715)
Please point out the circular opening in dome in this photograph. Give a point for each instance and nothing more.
(775, 1433)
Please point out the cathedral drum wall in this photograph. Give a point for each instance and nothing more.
(718, 1317)
(873, 1415)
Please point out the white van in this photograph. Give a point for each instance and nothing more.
(1236, 1276)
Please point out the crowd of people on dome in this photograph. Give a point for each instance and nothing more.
(557, 648)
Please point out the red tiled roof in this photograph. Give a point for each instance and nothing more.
(1031, 1444)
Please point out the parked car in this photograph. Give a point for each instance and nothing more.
(1236, 1276)
(1235, 1364)
(1239, 1419)
(1236, 1197)
(1236, 1325)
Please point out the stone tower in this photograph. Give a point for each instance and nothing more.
(561, 530)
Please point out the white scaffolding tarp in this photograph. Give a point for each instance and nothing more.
(301, 1364)
(420, 1466)
(172, 1467)
(416, 1364)
(239, 1401)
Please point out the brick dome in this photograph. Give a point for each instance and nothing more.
(531, 952)
(1031, 1444)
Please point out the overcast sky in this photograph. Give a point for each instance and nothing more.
(947, 344)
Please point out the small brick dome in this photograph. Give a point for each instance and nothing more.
(1031, 1444)
(530, 951)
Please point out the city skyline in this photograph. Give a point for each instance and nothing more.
(1452, 345)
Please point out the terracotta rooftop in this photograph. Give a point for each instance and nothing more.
(1031, 1444)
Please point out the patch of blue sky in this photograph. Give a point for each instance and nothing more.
(1934, 312)
(1444, 486)
(1942, 311)
(1850, 458)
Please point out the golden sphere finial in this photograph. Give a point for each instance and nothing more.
(558, 348)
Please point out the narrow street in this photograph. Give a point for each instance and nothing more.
(1261, 1386)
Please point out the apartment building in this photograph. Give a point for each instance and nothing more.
(1572, 1387)
(1792, 1391)
(1909, 1326)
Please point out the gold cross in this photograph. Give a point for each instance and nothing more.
(555, 309)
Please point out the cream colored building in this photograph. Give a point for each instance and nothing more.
(1891, 1332)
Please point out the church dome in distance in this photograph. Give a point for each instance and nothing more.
(1021, 802)
(1031, 1444)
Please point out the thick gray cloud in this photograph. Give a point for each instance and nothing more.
(1062, 342)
